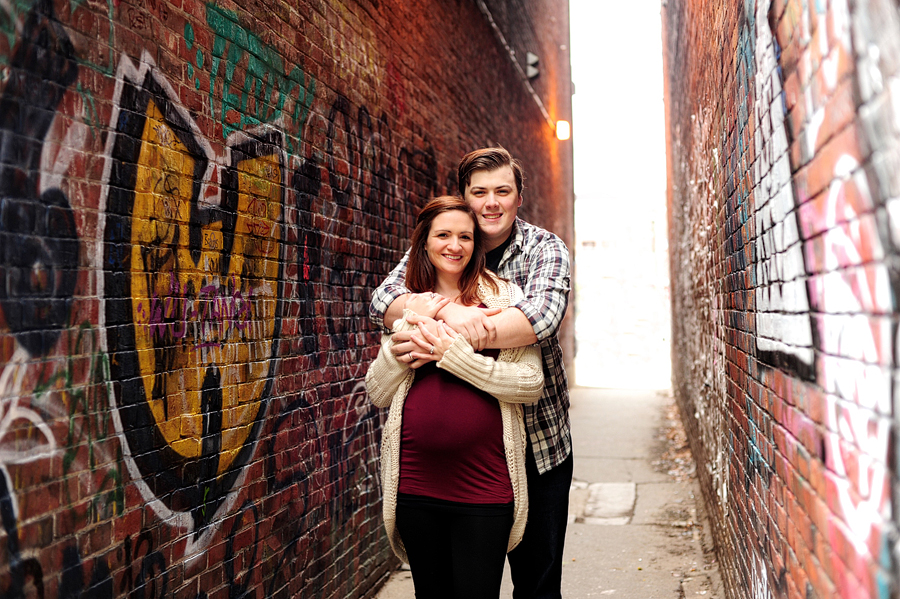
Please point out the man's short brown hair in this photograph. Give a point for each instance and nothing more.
(488, 159)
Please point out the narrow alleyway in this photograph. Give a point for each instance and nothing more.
(637, 526)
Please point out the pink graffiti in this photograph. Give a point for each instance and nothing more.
(213, 314)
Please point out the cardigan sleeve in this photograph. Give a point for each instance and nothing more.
(520, 380)
(387, 373)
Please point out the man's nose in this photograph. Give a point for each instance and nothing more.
(491, 199)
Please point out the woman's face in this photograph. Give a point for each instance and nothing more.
(451, 242)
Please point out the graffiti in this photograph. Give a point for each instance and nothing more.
(196, 291)
(269, 96)
(26, 439)
(396, 91)
(38, 257)
(212, 314)
(21, 569)
(784, 334)
(145, 573)
(846, 241)
(349, 455)
(191, 277)
(355, 61)
(39, 243)
(188, 383)
(359, 173)
(12, 15)
(797, 253)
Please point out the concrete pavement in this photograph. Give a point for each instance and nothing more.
(637, 526)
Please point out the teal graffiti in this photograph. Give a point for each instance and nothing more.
(90, 424)
(11, 16)
(268, 92)
(109, 67)
(189, 43)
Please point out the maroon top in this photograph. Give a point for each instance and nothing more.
(452, 441)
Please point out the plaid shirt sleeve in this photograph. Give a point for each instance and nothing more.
(389, 290)
(547, 287)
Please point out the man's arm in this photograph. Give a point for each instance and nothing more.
(385, 307)
(534, 317)
(395, 310)
(513, 329)
(539, 314)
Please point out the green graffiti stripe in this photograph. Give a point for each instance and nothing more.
(188, 35)
(109, 67)
(89, 420)
(10, 15)
(267, 88)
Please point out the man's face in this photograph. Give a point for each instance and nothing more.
(495, 199)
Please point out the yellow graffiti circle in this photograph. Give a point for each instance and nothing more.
(209, 312)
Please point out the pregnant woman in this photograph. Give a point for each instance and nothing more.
(453, 449)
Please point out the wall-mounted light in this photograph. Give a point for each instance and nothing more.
(531, 65)
(563, 130)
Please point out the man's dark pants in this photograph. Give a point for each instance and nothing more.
(536, 563)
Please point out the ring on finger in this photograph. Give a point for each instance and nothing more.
(432, 350)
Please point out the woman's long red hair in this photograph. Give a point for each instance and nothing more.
(421, 275)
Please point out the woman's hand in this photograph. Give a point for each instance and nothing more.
(432, 341)
(426, 304)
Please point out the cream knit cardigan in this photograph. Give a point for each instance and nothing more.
(514, 378)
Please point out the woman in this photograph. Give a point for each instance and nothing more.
(453, 456)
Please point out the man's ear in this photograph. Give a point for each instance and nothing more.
(521, 197)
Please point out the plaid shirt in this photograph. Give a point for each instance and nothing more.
(538, 262)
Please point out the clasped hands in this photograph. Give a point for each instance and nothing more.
(439, 321)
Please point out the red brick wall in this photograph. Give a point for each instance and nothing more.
(783, 146)
(196, 201)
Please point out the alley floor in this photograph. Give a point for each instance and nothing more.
(637, 525)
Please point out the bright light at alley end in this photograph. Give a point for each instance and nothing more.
(563, 130)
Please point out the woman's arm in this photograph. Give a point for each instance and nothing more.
(387, 373)
(520, 379)
(517, 381)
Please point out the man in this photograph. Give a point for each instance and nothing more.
(537, 261)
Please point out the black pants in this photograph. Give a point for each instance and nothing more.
(536, 563)
(455, 550)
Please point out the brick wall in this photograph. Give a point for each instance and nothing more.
(196, 201)
(783, 150)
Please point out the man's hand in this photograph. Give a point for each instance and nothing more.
(472, 323)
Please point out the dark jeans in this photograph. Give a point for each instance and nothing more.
(456, 551)
(536, 564)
